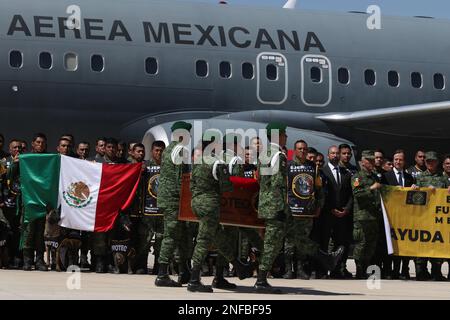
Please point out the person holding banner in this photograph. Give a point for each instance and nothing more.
(305, 201)
(399, 177)
(367, 209)
(431, 178)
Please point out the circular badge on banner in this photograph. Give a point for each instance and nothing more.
(303, 186)
(153, 185)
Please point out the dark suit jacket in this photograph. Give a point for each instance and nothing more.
(337, 197)
(390, 179)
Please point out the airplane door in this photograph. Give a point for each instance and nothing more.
(316, 82)
(272, 78)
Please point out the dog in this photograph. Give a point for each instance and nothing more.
(62, 245)
(124, 254)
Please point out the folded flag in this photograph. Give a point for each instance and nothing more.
(90, 194)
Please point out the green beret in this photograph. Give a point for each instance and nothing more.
(275, 126)
(431, 155)
(181, 125)
(368, 154)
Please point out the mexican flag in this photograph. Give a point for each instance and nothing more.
(90, 194)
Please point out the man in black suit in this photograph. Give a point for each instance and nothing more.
(399, 177)
(337, 213)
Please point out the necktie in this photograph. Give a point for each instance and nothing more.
(400, 178)
(338, 180)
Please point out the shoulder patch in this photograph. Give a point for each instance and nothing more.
(356, 182)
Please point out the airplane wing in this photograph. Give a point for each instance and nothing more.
(430, 120)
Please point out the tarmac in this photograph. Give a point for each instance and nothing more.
(31, 285)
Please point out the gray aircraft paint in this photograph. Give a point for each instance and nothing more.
(123, 97)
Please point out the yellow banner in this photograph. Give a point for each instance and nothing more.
(418, 221)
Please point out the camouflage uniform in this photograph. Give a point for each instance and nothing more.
(206, 195)
(437, 180)
(415, 171)
(367, 209)
(168, 202)
(273, 207)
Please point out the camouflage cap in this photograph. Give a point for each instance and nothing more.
(275, 126)
(181, 125)
(431, 155)
(368, 154)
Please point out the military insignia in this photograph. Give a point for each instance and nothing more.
(356, 182)
(417, 198)
(303, 186)
(153, 185)
(77, 195)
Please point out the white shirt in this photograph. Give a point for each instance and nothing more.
(334, 171)
(398, 177)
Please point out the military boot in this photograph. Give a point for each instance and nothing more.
(329, 261)
(242, 270)
(28, 256)
(301, 273)
(40, 264)
(436, 273)
(360, 271)
(184, 273)
(289, 262)
(262, 286)
(195, 284)
(220, 282)
(84, 264)
(99, 264)
(163, 279)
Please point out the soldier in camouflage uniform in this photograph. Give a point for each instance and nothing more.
(367, 209)
(272, 206)
(431, 178)
(209, 181)
(170, 179)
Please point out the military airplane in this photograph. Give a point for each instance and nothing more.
(110, 67)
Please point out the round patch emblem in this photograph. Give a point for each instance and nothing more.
(153, 185)
(303, 186)
(77, 195)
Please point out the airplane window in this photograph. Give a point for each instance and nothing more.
(393, 78)
(416, 80)
(71, 61)
(439, 81)
(16, 59)
(271, 72)
(201, 68)
(45, 60)
(97, 63)
(247, 70)
(151, 66)
(316, 75)
(225, 69)
(370, 77)
(343, 76)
